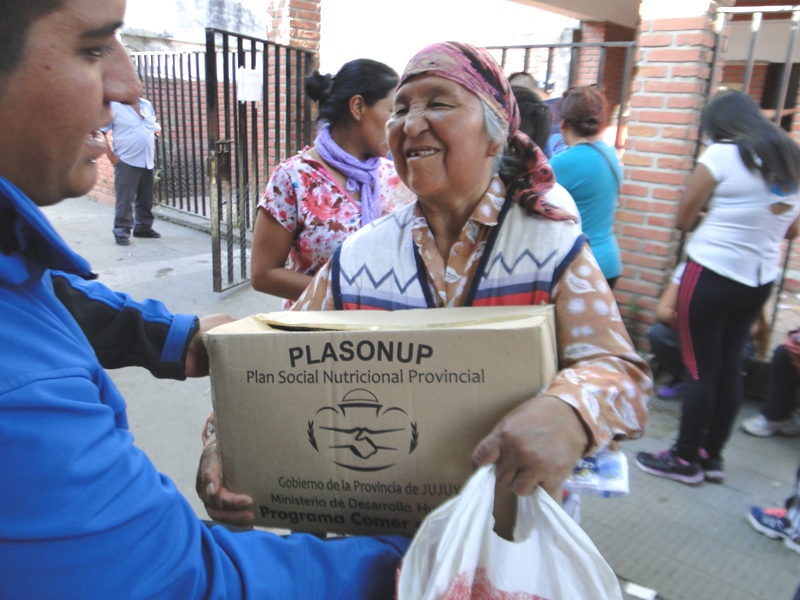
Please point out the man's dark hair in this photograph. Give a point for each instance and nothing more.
(535, 117)
(15, 20)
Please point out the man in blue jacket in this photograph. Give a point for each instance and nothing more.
(84, 514)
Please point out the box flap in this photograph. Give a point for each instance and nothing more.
(370, 320)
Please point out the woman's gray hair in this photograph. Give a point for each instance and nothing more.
(497, 131)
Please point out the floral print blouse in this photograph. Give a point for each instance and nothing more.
(304, 198)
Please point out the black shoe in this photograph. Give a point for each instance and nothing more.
(147, 233)
(668, 464)
(713, 467)
(122, 241)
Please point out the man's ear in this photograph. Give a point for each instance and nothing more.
(357, 107)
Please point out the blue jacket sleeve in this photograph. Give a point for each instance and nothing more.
(87, 516)
(126, 333)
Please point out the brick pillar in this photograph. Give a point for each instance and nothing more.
(669, 90)
(585, 72)
(295, 23)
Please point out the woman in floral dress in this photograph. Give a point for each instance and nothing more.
(317, 198)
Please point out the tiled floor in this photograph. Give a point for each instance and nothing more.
(693, 543)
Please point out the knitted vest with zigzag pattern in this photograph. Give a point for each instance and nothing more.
(378, 268)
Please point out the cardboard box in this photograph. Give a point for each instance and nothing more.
(362, 422)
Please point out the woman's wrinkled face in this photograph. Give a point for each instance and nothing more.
(439, 143)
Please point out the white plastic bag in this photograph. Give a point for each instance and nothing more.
(456, 555)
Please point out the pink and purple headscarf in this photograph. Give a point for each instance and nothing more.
(476, 70)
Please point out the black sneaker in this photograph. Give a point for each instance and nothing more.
(146, 233)
(670, 465)
(122, 240)
(713, 467)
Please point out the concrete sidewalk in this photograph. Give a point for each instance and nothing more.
(685, 543)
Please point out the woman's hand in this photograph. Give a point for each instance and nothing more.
(537, 443)
(221, 504)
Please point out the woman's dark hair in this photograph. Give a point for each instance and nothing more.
(14, 24)
(585, 110)
(733, 116)
(536, 118)
(370, 79)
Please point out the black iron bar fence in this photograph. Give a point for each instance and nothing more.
(228, 115)
(608, 65)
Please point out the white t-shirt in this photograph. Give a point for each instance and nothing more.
(740, 237)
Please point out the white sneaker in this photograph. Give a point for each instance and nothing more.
(762, 427)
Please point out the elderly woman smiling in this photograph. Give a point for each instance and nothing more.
(486, 193)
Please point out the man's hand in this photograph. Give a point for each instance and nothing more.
(197, 356)
(112, 158)
(221, 505)
(537, 443)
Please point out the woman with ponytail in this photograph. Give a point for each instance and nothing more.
(317, 198)
(591, 172)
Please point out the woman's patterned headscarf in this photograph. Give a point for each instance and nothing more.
(476, 70)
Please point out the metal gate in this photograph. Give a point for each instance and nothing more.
(229, 115)
(611, 69)
(258, 115)
(175, 83)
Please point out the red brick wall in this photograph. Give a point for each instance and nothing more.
(104, 188)
(303, 26)
(733, 76)
(584, 71)
(668, 94)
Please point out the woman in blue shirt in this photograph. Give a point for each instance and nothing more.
(591, 172)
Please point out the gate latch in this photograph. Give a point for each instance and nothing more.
(224, 159)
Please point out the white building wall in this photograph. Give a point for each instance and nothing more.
(160, 24)
(393, 32)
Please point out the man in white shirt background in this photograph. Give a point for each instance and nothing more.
(134, 131)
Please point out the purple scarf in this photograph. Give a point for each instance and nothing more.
(360, 175)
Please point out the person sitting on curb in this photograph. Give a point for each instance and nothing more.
(777, 415)
(664, 340)
(666, 346)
